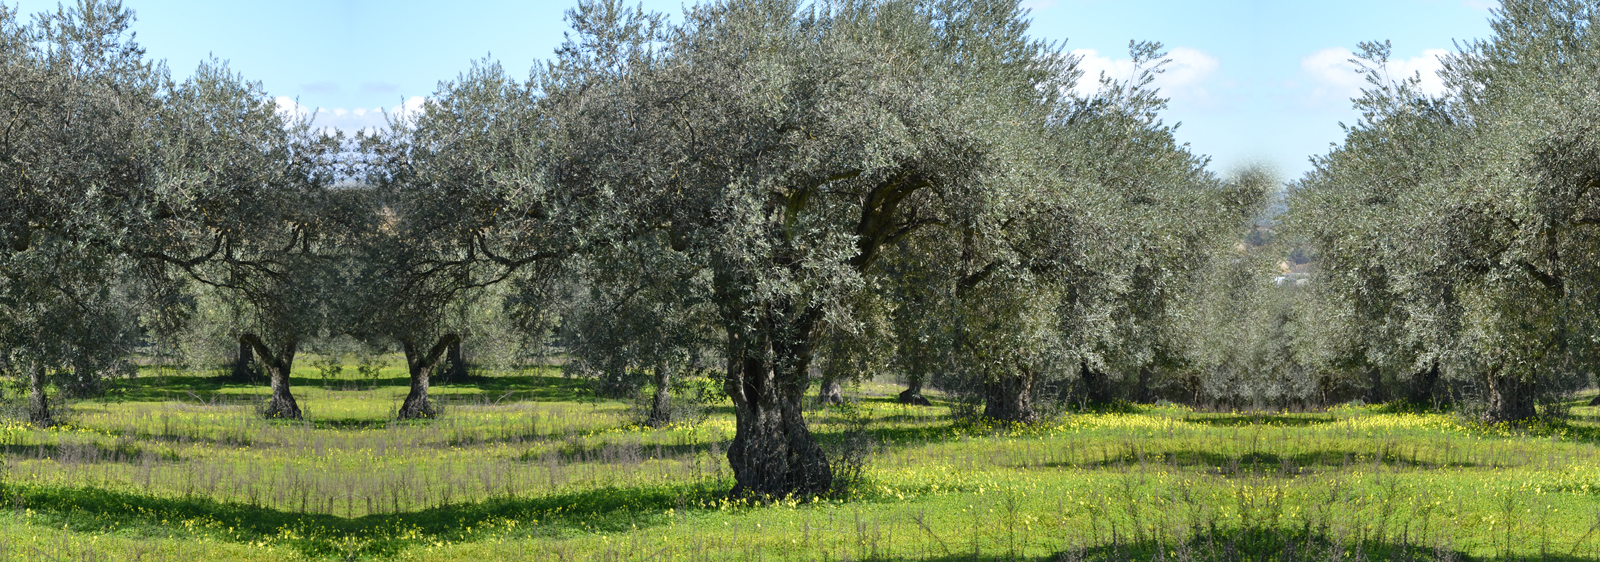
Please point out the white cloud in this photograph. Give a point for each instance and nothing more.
(287, 107)
(1185, 79)
(1336, 79)
(347, 119)
(409, 108)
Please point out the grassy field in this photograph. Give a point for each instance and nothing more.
(528, 467)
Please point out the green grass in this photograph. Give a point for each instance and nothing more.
(530, 466)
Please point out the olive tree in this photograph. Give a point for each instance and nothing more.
(786, 151)
(1076, 288)
(1473, 214)
(460, 205)
(77, 171)
(251, 214)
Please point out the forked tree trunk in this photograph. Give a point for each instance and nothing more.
(38, 402)
(1511, 399)
(241, 365)
(1009, 398)
(279, 365)
(661, 403)
(421, 365)
(773, 454)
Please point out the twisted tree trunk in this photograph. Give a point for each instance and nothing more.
(773, 454)
(421, 366)
(282, 404)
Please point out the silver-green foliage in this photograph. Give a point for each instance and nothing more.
(1462, 231)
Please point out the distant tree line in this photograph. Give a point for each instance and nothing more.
(776, 197)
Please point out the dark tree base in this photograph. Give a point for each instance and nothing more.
(912, 397)
(283, 408)
(413, 409)
(830, 394)
(1511, 400)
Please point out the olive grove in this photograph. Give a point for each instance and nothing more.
(777, 194)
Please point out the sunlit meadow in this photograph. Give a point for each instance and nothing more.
(529, 466)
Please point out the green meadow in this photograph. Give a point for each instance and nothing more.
(529, 466)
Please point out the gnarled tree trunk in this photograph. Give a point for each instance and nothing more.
(1009, 398)
(282, 404)
(1511, 399)
(773, 453)
(421, 365)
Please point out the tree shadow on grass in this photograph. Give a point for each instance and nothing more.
(1246, 420)
(181, 388)
(213, 389)
(531, 387)
(606, 510)
(1259, 463)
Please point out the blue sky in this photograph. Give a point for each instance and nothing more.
(1253, 81)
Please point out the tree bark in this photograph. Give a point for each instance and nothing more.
(1511, 399)
(279, 365)
(420, 364)
(661, 403)
(773, 454)
(38, 402)
(1010, 399)
(241, 365)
